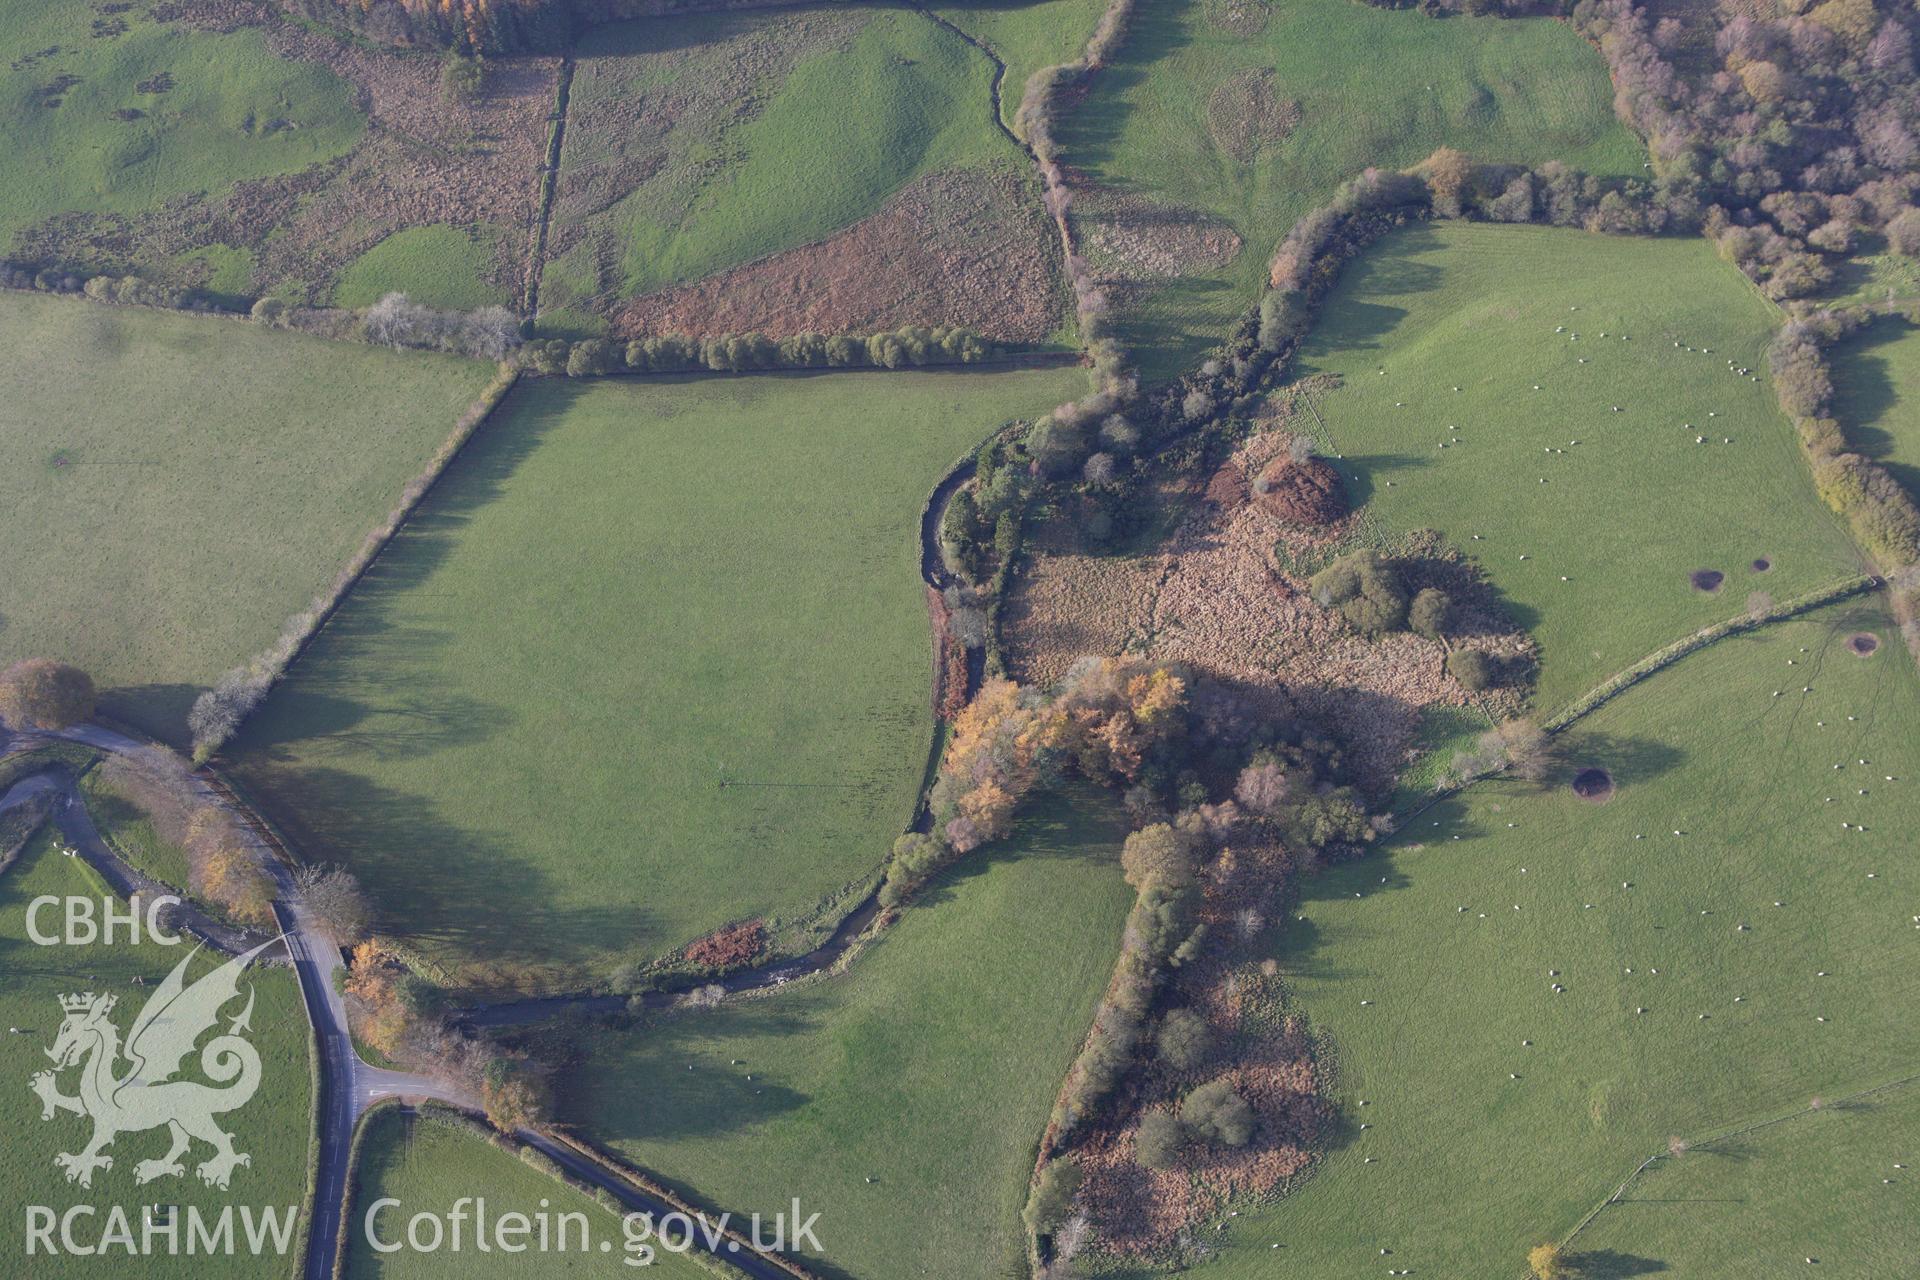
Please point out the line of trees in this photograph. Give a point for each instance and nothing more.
(403, 1017)
(910, 346)
(1881, 514)
(217, 714)
(223, 864)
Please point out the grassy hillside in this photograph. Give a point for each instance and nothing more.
(1247, 114)
(1026, 37)
(272, 1127)
(1443, 333)
(1732, 930)
(652, 658)
(698, 142)
(113, 111)
(438, 266)
(901, 1100)
(172, 487)
(1834, 1185)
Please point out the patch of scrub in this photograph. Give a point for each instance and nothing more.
(1569, 410)
(1545, 989)
(122, 119)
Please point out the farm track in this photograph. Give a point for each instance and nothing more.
(349, 1087)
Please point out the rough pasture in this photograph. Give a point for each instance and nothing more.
(1586, 416)
(1530, 993)
(1221, 123)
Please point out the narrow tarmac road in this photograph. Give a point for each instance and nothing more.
(348, 1085)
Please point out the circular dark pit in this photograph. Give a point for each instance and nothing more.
(1707, 580)
(1762, 565)
(1595, 785)
(1863, 643)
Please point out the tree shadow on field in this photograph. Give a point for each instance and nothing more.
(360, 681)
(1731, 1150)
(1091, 122)
(1357, 471)
(159, 708)
(651, 35)
(1629, 760)
(446, 886)
(1075, 824)
(1611, 1264)
(1866, 397)
(634, 1083)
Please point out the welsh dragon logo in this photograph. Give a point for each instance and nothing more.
(145, 1095)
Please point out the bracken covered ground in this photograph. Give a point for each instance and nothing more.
(423, 159)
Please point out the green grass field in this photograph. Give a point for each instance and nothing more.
(436, 265)
(1373, 87)
(652, 658)
(1632, 510)
(131, 834)
(1026, 36)
(272, 1128)
(1834, 1185)
(120, 123)
(429, 1165)
(1458, 931)
(698, 142)
(902, 1100)
(1876, 379)
(173, 487)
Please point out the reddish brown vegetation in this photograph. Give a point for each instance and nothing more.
(1226, 595)
(1307, 492)
(1266, 1057)
(949, 661)
(424, 160)
(966, 248)
(728, 948)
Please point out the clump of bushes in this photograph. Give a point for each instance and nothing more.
(1051, 1199)
(1303, 491)
(730, 947)
(1366, 589)
(397, 321)
(1212, 1113)
(1475, 669)
(40, 693)
(1518, 746)
(1185, 1041)
(1430, 613)
(334, 894)
(1215, 1113)
(1110, 719)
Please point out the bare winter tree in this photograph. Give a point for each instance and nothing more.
(335, 895)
